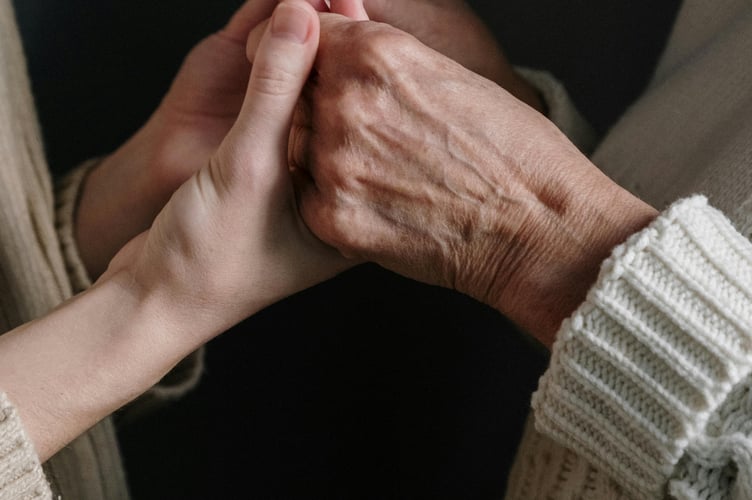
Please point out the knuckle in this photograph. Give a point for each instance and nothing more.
(344, 111)
(318, 214)
(379, 46)
(367, 46)
(329, 163)
(332, 225)
(333, 215)
(328, 117)
(346, 226)
(351, 110)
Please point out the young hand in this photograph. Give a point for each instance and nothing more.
(230, 240)
(123, 194)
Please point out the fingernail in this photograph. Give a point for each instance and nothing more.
(291, 22)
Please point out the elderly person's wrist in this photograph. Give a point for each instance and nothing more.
(556, 254)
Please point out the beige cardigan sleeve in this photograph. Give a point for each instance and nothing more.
(21, 475)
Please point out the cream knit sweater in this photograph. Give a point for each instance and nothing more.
(648, 389)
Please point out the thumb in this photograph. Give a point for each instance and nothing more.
(281, 67)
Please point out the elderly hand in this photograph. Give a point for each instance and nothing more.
(405, 158)
(452, 28)
(124, 193)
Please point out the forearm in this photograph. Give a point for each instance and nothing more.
(67, 370)
(228, 243)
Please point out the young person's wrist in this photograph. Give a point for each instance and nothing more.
(100, 350)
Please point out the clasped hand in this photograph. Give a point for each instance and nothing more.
(404, 157)
(230, 241)
(399, 155)
(348, 138)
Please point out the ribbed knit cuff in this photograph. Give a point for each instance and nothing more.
(21, 475)
(661, 340)
(67, 193)
(561, 110)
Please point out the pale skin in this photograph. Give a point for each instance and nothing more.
(122, 196)
(128, 188)
(228, 243)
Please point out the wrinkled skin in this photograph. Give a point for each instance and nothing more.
(453, 29)
(405, 158)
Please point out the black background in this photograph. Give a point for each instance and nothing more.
(370, 385)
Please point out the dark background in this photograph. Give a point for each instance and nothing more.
(370, 385)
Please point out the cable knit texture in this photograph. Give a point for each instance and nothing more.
(671, 364)
(546, 470)
(662, 340)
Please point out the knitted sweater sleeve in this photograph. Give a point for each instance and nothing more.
(649, 379)
(186, 374)
(21, 475)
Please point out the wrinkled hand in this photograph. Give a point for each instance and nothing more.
(452, 28)
(408, 159)
(126, 191)
(230, 241)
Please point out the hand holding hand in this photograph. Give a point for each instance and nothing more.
(124, 193)
(230, 241)
(407, 159)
